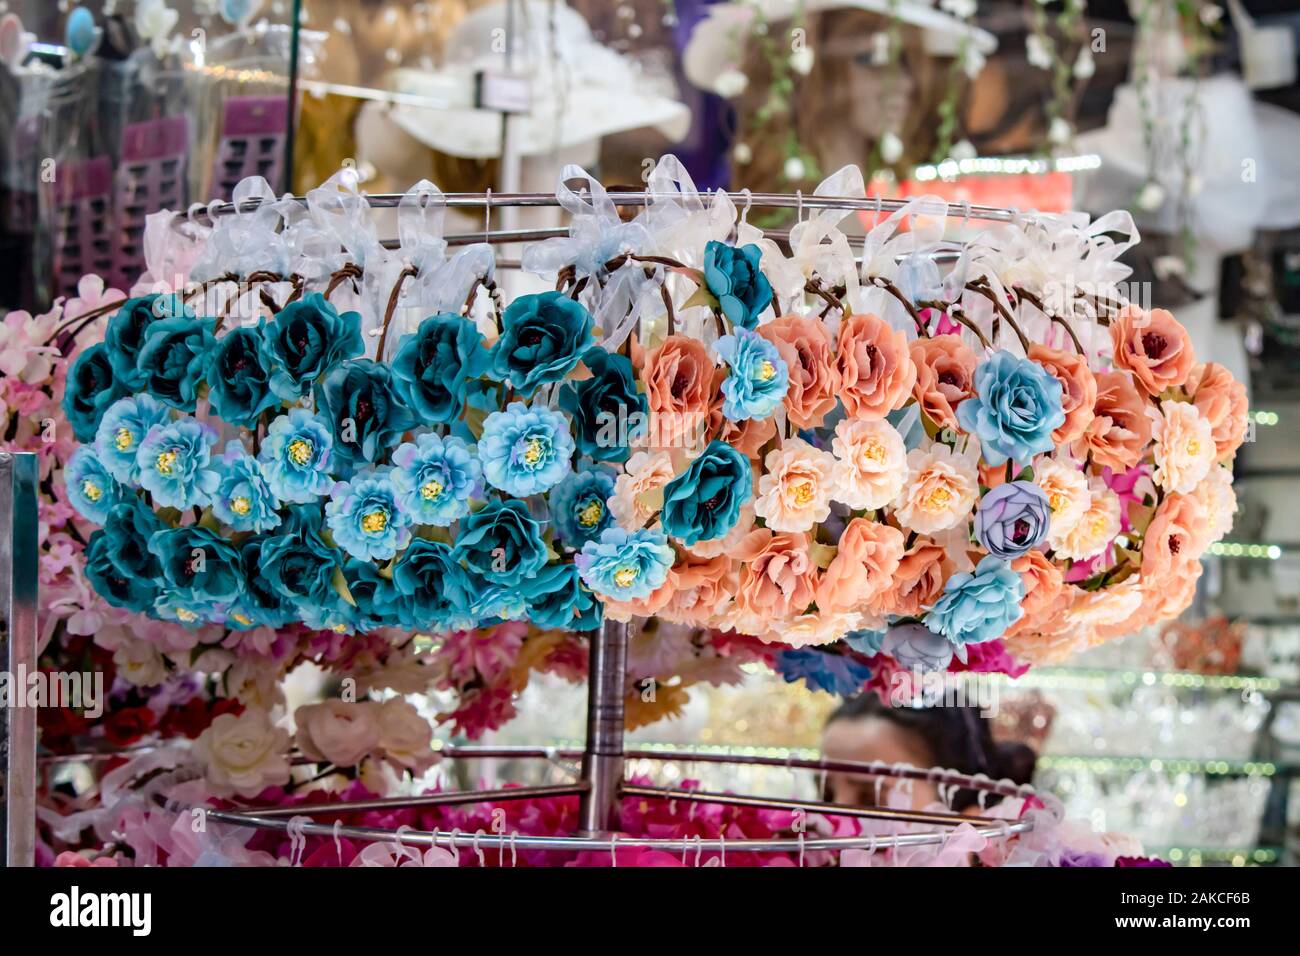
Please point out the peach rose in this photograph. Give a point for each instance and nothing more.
(945, 369)
(778, 578)
(1218, 500)
(1154, 346)
(702, 589)
(1042, 579)
(342, 732)
(1052, 638)
(812, 630)
(678, 377)
(1170, 596)
(863, 567)
(648, 606)
(940, 490)
(1096, 529)
(876, 369)
(805, 345)
(1175, 537)
(1068, 497)
(870, 463)
(794, 491)
(1184, 446)
(1078, 389)
(1120, 430)
(922, 572)
(1221, 399)
(638, 491)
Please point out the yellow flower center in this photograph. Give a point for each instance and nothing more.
(766, 370)
(803, 493)
(374, 522)
(91, 490)
(123, 439)
(1057, 502)
(938, 499)
(624, 577)
(339, 628)
(166, 462)
(300, 451)
(874, 452)
(240, 506)
(431, 489)
(1194, 447)
(243, 619)
(533, 451)
(186, 615)
(590, 516)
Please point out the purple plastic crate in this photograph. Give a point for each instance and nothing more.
(252, 142)
(83, 241)
(150, 176)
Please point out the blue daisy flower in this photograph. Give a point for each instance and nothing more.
(173, 461)
(578, 505)
(297, 455)
(525, 451)
(365, 517)
(123, 427)
(91, 489)
(436, 477)
(244, 500)
(625, 566)
(757, 377)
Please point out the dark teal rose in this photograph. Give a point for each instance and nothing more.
(542, 337)
(502, 542)
(261, 605)
(239, 381)
(114, 584)
(199, 567)
(434, 589)
(365, 411)
(703, 502)
(300, 566)
(607, 409)
(173, 358)
(733, 276)
(436, 367)
(92, 386)
(307, 340)
(556, 598)
(376, 597)
(119, 563)
(129, 328)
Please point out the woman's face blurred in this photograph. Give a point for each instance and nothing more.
(874, 738)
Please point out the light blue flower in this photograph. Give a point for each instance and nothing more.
(625, 566)
(1015, 408)
(189, 611)
(244, 499)
(866, 641)
(978, 607)
(525, 451)
(757, 378)
(297, 455)
(123, 427)
(365, 517)
(91, 489)
(578, 505)
(435, 478)
(173, 460)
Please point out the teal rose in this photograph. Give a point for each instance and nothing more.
(542, 338)
(607, 409)
(703, 502)
(305, 341)
(92, 387)
(733, 276)
(366, 413)
(239, 381)
(502, 543)
(172, 359)
(436, 367)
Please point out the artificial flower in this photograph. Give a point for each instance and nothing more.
(945, 375)
(833, 673)
(173, 463)
(1097, 528)
(978, 606)
(365, 517)
(1012, 518)
(1184, 447)
(940, 490)
(794, 489)
(502, 543)
(1154, 346)
(578, 505)
(405, 738)
(870, 463)
(525, 451)
(435, 478)
(198, 566)
(1066, 490)
(1175, 538)
(244, 499)
(339, 732)
(733, 276)
(128, 330)
(703, 503)
(778, 578)
(678, 377)
(1218, 501)
(1015, 408)
(124, 578)
(863, 567)
(92, 387)
(244, 754)
(299, 566)
(1221, 400)
(434, 589)
(366, 413)
(757, 376)
(555, 597)
(543, 336)
(1120, 430)
(748, 437)
(437, 366)
(172, 359)
(1078, 389)
(91, 489)
(875, 367)
(917, 583)
(124, 425)
(296, 456)
(607, 410)
(306, 341)
(238, 376)
(916, 647)
(804, 344)
(1042, 581)
(625, 566)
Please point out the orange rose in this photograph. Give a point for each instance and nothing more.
(805, 345)
(1154, 346)
(1175, 537)
(702, 587)
(1221, 400)
(945, 366)
(918, 582)
(876, 369)
(778, 578)
(1078, 389)
(1120, 430)
(863, 567)
(1171, 597)
(1043, 582)
(678, 377)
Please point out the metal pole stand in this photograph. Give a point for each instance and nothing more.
(602, 758)
(18, 579)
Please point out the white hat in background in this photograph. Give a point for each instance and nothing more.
(580, 90)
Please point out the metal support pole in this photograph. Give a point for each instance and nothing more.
(18, 577)
(602, 760)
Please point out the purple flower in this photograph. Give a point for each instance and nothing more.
(1012, 518)
(916, 647)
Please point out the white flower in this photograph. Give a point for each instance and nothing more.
(812, 630)
(1060, 131)
(801, 60)
(1184, 446)
(1038, 52)
(742, 154)
(730, 83)
(870, 463)
(1219, 502)
(963, 149)
(1084, 65)
(404, 736)
(891, 148)
(794, 168)
(1068, 497)
(139, 663)
(1152, 197)
(244, 754)
(337, 731)
(1096, 529)
(940, 490)
(638, 492)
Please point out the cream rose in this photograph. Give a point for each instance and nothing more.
(1066, 488)
(1096, 529)
(404, 736)
(794, 492)
(337, 731)
(638, 492)
(870, 463)
(1219, 502)
(139, 663)
(244, 754)
(812, 630)
(939, 492)
(1184, 446)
